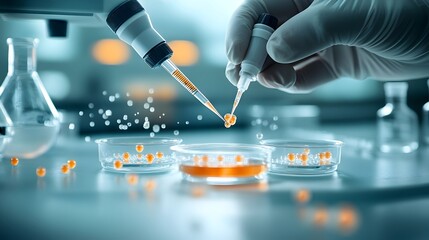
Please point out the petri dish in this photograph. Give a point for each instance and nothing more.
(303, 157)
(137, 154)
(222, 163)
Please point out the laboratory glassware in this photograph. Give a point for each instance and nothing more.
(137, 154)
(255, 55)
(25, 99)
(397, 124)
(425, 113)
(222, 163)
(5, 124)
(303, 157)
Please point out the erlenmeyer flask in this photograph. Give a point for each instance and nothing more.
(5, 124)
(34, 116)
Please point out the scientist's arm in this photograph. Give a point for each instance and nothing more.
(323, 40)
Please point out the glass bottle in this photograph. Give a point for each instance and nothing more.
(425, 113)
(25, 99)
(397, 124)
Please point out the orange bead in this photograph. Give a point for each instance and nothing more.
(304, 157)
(196, 159)
(306, 151)
(321, 155)
(65, 169)
(302, 196)
(220, 158)
(139, 148)
(150, 157)
(227, 117)
(233, 120)
(126, 157)
(14, 161)
(197, 192)
(150, 185)
(205, 158)
(71, 164)
(41, 171)
(328, 155)
(159, 155)
(291, 156)
(239, 158)
(347, 218)
(117, 164)
(227, 124)
(321, 216)
(132, 179)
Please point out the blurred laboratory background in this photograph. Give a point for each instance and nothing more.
(91, 71)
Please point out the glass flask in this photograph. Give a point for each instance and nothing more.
(5, 124)
(425, 113)
(25, 99)
(397, 124)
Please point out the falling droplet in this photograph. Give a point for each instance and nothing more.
(87, 139)
(273, 127)
(111, 98)
(155, 128)
(259, 135)
(91, 105)
(199, 117)
(80, 113)
(146, 125)
(130, 103)
(176, 132)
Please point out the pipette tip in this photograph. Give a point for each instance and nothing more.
(236, 101)
(210, 106)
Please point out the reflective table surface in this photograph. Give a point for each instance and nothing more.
(370, 197)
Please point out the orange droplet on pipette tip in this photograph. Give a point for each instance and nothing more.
(71, 163)
(227, 124)
(41, 171)
(14, 161)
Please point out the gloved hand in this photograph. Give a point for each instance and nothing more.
(322, 40)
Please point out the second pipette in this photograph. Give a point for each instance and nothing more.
(255, 55)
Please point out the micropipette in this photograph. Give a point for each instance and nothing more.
(255, 55)
(172, 69)
(131, 23)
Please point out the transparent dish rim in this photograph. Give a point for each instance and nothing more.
(310, 143)
(116, 141)
(198, 148)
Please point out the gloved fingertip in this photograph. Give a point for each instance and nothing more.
(279, 50)
(232, 73)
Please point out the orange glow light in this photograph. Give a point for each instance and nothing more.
(110, 52)
(185, 53)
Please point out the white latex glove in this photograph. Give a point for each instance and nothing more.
(322, 40)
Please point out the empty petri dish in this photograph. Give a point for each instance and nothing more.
(222, 163)
(303, 157)
(137, 154)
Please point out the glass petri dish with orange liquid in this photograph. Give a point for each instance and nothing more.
(303, 157)
(137, 154)
(222, 163)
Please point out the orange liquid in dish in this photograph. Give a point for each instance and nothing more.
(224, 171)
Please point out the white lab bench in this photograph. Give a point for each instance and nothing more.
(390, 197)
